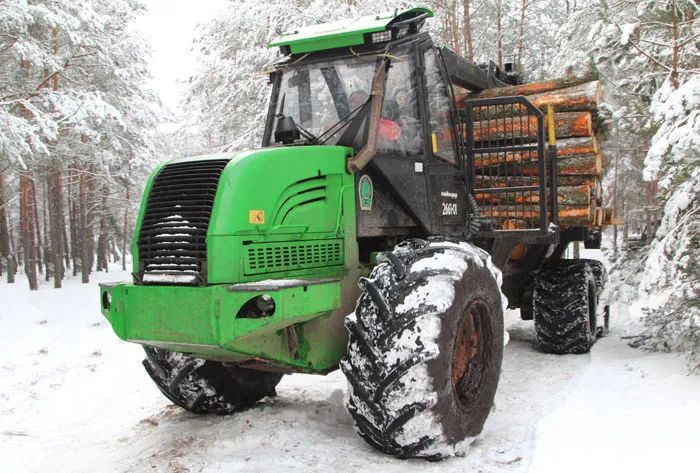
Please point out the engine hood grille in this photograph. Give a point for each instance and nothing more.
(172, 243)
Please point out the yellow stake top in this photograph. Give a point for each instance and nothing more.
(550, 126)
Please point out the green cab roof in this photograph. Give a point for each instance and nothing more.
(342, 33)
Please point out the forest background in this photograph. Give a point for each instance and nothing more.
(81, 126)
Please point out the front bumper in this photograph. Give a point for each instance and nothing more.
(211, 321)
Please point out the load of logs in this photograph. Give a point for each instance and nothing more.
(579, 159)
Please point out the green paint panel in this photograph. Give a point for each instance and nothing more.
(278, 213)
(296, 188)
(287, 212)
(338, 34)
(205, 321)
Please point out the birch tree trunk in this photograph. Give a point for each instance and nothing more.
(91, 201)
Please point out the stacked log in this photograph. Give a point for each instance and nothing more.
(579, 160)
(567, 124)
(527, 89)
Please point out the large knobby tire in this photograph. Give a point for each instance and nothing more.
(203, 386)
(564, 304)
(425, 349)
(600, 274)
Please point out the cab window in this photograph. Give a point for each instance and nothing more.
(400, 127)
(442, 135)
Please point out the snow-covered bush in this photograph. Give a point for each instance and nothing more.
(673, 261)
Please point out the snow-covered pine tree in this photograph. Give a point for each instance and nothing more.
(591, 44)
(77, 115)
(228, 92)
(228, 95)
(673, 263)
(500, 29)
(650, 52)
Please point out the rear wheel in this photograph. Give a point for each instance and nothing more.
(564, 306)
(600, 274)
(203, 386)
(425, 349)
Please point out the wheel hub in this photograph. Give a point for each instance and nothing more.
(468, 363)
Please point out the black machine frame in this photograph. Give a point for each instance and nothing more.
(414, 199)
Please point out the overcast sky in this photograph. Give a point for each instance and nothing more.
(170, 27)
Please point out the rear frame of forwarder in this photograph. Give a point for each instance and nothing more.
(354, 238)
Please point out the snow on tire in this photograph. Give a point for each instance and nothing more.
(564, 303)
(425, 349)
(203, 386)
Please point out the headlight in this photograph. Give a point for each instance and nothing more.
(266, 304)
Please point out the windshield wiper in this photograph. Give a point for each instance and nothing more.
(362, 109)
(343, 122)
(310, 137)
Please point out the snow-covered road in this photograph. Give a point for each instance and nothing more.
(73, 398)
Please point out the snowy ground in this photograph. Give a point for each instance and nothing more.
(73, 398)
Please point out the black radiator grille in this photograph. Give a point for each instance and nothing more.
(172, 241)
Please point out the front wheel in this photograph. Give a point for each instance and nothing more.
(425, 349)
(204, 386)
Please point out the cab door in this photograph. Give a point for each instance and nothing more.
(392, 189)
(447, 189)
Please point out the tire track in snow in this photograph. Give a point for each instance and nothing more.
(306, 428)
(106, 415)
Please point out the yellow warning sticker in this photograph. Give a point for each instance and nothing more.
(257, 217)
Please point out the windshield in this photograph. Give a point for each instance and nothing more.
(319, 96)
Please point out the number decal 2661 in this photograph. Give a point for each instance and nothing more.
(449, 209)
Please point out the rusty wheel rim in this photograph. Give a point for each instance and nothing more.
(469, 361)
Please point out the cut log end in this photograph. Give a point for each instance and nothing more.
(568, 125)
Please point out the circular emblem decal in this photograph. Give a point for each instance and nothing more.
(366, 191)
